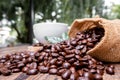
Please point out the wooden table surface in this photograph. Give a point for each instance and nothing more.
(22, 76)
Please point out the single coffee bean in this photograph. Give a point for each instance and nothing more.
(66, 65)
(72, 60)
(66, 74)
(99, 71)
(43, 69)
(33, 65)
(93, 71)
(69, 56)
(62, 53)
(84, 41)
(84, 50)
(53, 66)
(111, 66)
(83, 78)
(5, 71)
(110, 70)
(90, 44)
(73, 70)
(53, 61)
(77, 52)
(55, 55)
(53, 71)
(59, 63)
(88, 75)
(41, 58)
(24, 69)
(98, 77)
(29, 60)
(32, 72)
(100, 67)
(20, 65)
(18, 57)
(15, 70)
(79, 47)
(60, 72)
(74, 43)
(74, 76)
(2, 60)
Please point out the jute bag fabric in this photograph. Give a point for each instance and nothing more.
(108, 49)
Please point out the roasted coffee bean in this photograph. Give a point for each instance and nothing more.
(79, 47)
(76, 64)
(6, 72)
(55, 55)
(66, 65)
(70, 56)
(74, 76)
(111, 66)
(61, 58)
(15, 70)
(77, 57)
(73, 70)
(93, 71)
(18, 57)
(29, 60)
(84, 41)
(33, 65)
(90, 44)
(43, 69)
(110, 70)
(53, 66)
(37, 55)
(77, 52)
(74, 43)
(60, 72)
(20, 65)
(98, 77)
(40, 58)
(84, 50)
(24, 69)
(24, 60)
(88, 75)
(59, 63)
(58, 48)
(32, 72)
(80, 72)
(99, 71)
(2, 60)
(53, 71)
(53, 61)
(72, 60)
(66, 74)
(83, 78)
(100, 67)
(62, 53)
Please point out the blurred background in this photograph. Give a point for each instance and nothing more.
(18, 16)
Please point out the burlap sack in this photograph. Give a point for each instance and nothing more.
(108, 49)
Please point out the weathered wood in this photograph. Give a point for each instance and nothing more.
(39, 76)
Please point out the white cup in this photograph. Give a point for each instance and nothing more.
(41, 30)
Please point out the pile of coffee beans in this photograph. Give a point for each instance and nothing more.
(67, 59)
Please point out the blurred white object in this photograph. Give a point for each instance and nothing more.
(4, 34)
(42, 30)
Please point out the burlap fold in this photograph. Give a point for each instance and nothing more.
(108, 49)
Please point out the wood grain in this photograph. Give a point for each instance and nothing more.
(39, 76)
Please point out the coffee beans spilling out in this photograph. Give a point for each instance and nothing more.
(67, 59)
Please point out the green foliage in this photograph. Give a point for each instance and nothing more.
(116, 11)
(54, 39)
(65, 11)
